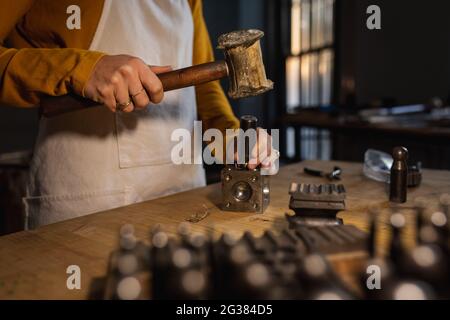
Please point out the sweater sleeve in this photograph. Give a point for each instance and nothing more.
(28, 74)
(213, 107)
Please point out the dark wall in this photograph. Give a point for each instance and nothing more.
(18, 129)
(408, 59)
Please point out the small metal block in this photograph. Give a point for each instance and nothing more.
(244, 190)
(313, 192)
(317, 204)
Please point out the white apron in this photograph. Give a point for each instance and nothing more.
(93, 160)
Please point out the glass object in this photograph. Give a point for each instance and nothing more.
(317, 23)
(325, 152)
(377, 165)
(326, 76)
(314, 80)
(295, 27)
(309, 72)
(304, 81)
(292, 83)
(290, 142)
(309, 143)
(305, 25)
(328, 17)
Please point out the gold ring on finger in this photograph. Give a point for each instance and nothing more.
(123, 106)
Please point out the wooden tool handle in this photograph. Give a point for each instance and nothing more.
(177, 79)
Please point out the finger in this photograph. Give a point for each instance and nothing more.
(266, 163)
(152, 85)
(261, 151)
(266, 139)
(106, 96)
(259, 158)
(231, 152)
(123, 97)
(138, 94)
(266, 155)
(110, 103)
(271, 161)
(256, 153)
(269, 144)
(264, 142)
(160, 69)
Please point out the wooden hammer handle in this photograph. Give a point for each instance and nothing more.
(177, 79)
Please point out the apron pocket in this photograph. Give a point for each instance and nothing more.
(144, 137)
(48, 209)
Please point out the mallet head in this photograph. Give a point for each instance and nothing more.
(244, 59)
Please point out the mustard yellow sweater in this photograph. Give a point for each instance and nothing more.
(40, 56)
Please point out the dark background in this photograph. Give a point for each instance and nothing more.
(408, 59)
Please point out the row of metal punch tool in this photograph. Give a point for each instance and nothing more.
(292, 263)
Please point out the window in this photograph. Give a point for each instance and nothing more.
(309, 67)
(309, 71)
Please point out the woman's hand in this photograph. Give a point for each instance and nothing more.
(262, 151)
(124, 83)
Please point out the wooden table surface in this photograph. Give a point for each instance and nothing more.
(33, 263)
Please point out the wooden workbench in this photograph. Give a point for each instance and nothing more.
(33, 263)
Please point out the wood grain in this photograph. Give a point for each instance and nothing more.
(33, 263)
